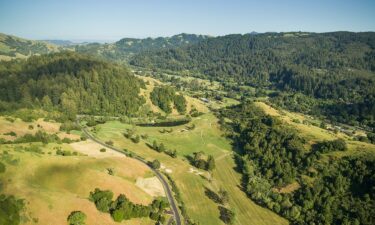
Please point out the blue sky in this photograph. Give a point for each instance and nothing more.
(114, 19)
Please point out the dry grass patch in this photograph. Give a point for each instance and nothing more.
(151, 186)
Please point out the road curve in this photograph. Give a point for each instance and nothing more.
(167, 190)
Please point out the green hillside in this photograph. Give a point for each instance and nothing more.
(332, 73)
(71, 83)
(14, 47)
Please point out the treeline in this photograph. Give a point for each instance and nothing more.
(123, 209)
(161, 148)
(272, 157)
(337, 67)
(71, 83)
(39, 136)
(165, 96)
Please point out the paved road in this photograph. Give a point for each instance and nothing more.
(167, 190)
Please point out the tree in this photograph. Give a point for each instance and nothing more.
(226, 215)
(2, 167)
(161, 148)
(224, 197)
(210, 163)
(155, 145)
(76, 218)
(68, 106)
(118, 215)
(155, 164)
(46, 102)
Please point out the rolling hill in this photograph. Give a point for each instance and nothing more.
(12, 47)
(333, 73)
(123, 49)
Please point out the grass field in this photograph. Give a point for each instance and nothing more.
(208, 138)
(54, 185)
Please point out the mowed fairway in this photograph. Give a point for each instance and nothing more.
(53, 185)
(206, 137)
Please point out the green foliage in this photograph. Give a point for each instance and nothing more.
(11, 133)
(210, 163)
(2, 167)
(10, 210)
(123, 209)
(72, 83)
(164, 96)
(226, 215)
(271, 155)
(39, 136)
(329, 146)
(110, 142)
(338, 77)
(198, 161)
(102, 199)
(69, 125)
(76, 218)
(155, 164)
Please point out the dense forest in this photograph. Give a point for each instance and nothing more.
(337, 68)
(272, 157)
(71, 83)
(165, 96)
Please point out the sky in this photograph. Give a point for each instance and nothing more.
(115, 19)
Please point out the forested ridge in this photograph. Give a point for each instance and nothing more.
(71, 83)
(123, 49)
(272, 156)
(335, 69)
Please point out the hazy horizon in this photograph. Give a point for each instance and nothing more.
(113, 20)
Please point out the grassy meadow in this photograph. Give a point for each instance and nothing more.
(53, 186)
(205, 137)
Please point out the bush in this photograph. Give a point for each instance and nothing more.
(69, 125)
(76, 218)
(155, 164)
(109, 143)
(10, 210)
(2, 167)
(103, 150)
(11, 133)
(226, 215)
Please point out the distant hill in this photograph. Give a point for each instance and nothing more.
(12, 47)
(123, 49)
(60, 42)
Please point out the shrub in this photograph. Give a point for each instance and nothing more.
(155, 164)
(11, 133)
(76, 218)
(226, 215)
(103, 150)
(109, 143)
(10, 209)
(2, 167)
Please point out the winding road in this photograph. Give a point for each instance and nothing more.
(163, 181)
